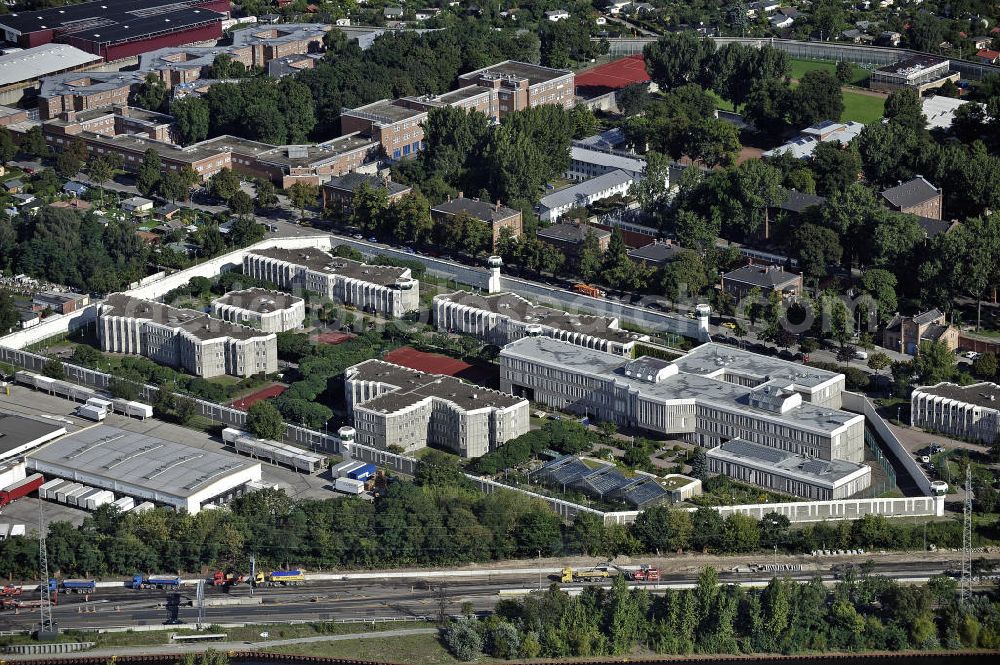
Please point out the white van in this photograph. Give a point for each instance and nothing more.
(861, 355)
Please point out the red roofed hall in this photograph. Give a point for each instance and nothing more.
(988, 56)
(612, 76)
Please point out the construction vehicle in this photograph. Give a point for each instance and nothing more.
(589, 575)
(280, 578)
(588, 290)
(646, 573)
(155, 582)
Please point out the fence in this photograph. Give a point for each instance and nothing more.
(893, 446)
(564, 509)
(867, 56)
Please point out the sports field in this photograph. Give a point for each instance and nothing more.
(435, 363)
(331, 337)
(800, 67)
(614, 75)
(244, 403)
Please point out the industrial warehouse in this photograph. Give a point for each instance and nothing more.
(144, 467)
(19, 435)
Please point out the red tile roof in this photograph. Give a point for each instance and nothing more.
(612, 76)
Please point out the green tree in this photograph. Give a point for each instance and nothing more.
(368, 207)
(695, 232)
(903, 107)
(985, 366)
(151, 94)
(463, 639)
(715, 142)
(8, 148)
(835, 167)
(584, 121)
(99, 170)
(191, 119)
(844, 72)
(224, 184)
(34, 143)
(266, 194)
(934, 363)
(148, 177)
(881, 285)
(302, 194)
(411, 219)
(588, 259)
(241, 203)
(818, 97)
(9, 317)
(878, 361)
(817, 248)
(677, 58)
(264, 421)
(53, 369)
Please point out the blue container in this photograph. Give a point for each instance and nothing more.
(362, 473)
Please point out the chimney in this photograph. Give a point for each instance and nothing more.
(497, 207)
(461, 195)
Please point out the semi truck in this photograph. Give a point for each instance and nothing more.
(280, 578)
(589, 575)
(349, 485)
(78, 586)
(226, 579)
(155, 582)
(20, 489)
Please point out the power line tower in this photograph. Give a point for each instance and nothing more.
(47, 629)
(966, 582)
(200, 596)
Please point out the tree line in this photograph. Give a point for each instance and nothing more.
(863, 612)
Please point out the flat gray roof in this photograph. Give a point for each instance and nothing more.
(17, 431)
(523, 70)
(384, 111)
(319, 261)
(280, 34)
(481, 210)
(770, 277)
(87, 83)
(413, 386)
(195, 323)
(607, 159)
(571, 232)
(119, 456)
(680, 386)
(520, 309)
(580, 191)
(262, 301)
(711, 358)
(34, 63)
(984, 394)
(809, 469)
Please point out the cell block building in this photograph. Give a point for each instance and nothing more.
(184, 338)
(398, 406)
(502, 318)
(268, 311)
(971, 412)
(710, 396)
(385, 290)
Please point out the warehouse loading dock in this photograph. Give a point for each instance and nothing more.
(145, 467)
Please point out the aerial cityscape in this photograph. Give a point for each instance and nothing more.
(541, 331)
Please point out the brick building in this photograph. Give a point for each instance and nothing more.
(393, 124)
(740, 282)
(520, 85)
(340, 190)
(917, 197)
(905, 333)
(494, 215)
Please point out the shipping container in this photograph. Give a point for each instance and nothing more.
(133, 409)
(276, 452)
(68, 487)
(363, 472)
(91, 413)
(124, 504)
(349, 486)
(12, 471)
(230, 434)
(21, 488)
(78, 586)
(95, 501)
(341, 470)
(73, 498)
(16, 530)
(48, 489)
(101, 403)
(4, 530)
(81, 500)
(144, 507)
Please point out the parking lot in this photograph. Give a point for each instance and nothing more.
(27, 402)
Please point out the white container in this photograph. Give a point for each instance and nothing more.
(124, 504)
(73, 498)
(4, 530)
(101, 403)
(48, 489)
(95, 501)
(16, 530)
(62, 491)
(230, 434)
(349, 486)
(144, 507)
(92, 413)
(81, 499)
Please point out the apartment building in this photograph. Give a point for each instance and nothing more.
(111, 121)
(501, 318)
(917, 197)
(495, 215)
(267, 43)
(904, 334)
(395, 126)
(399, 406)
(589, 162)
(710, 396)
(268, 311)
(385, 290)
(184, 338)
(64, 95)
(798, 475)
(970, 412)
(582, 194)
(520, 85)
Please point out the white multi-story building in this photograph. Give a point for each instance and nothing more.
(501, 318)
(798, 475)
(710, 396)
(266, 310)
(385, 290)
(553, 206)
(970, 412)
(184, 338)
(399, 406)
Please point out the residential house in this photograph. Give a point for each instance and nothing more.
(656, 254)
(981, 42)
(557, 15)
(569, 237)
(13, 186)
(904, 334)
(494, 215)
(393, 13)
(916, 196)
(889, 38)
(426, 13)
(74, 188)
(166, 213)
(780, 21)
(137, 206)
(340, 190)
(740, 282)
(988, 56)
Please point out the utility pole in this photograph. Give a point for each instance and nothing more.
(47, 629)
(253, 572)
(200, 599)
(539, 570)
(966, 582)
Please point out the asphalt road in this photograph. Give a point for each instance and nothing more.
(389, 598)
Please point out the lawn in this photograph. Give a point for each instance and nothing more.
(412, 649)
(799, 68)
(862, 108)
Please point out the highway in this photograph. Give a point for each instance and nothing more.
(420, 596)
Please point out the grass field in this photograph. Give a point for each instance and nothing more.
(862, 108)
(800, 67)
(413, 649)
